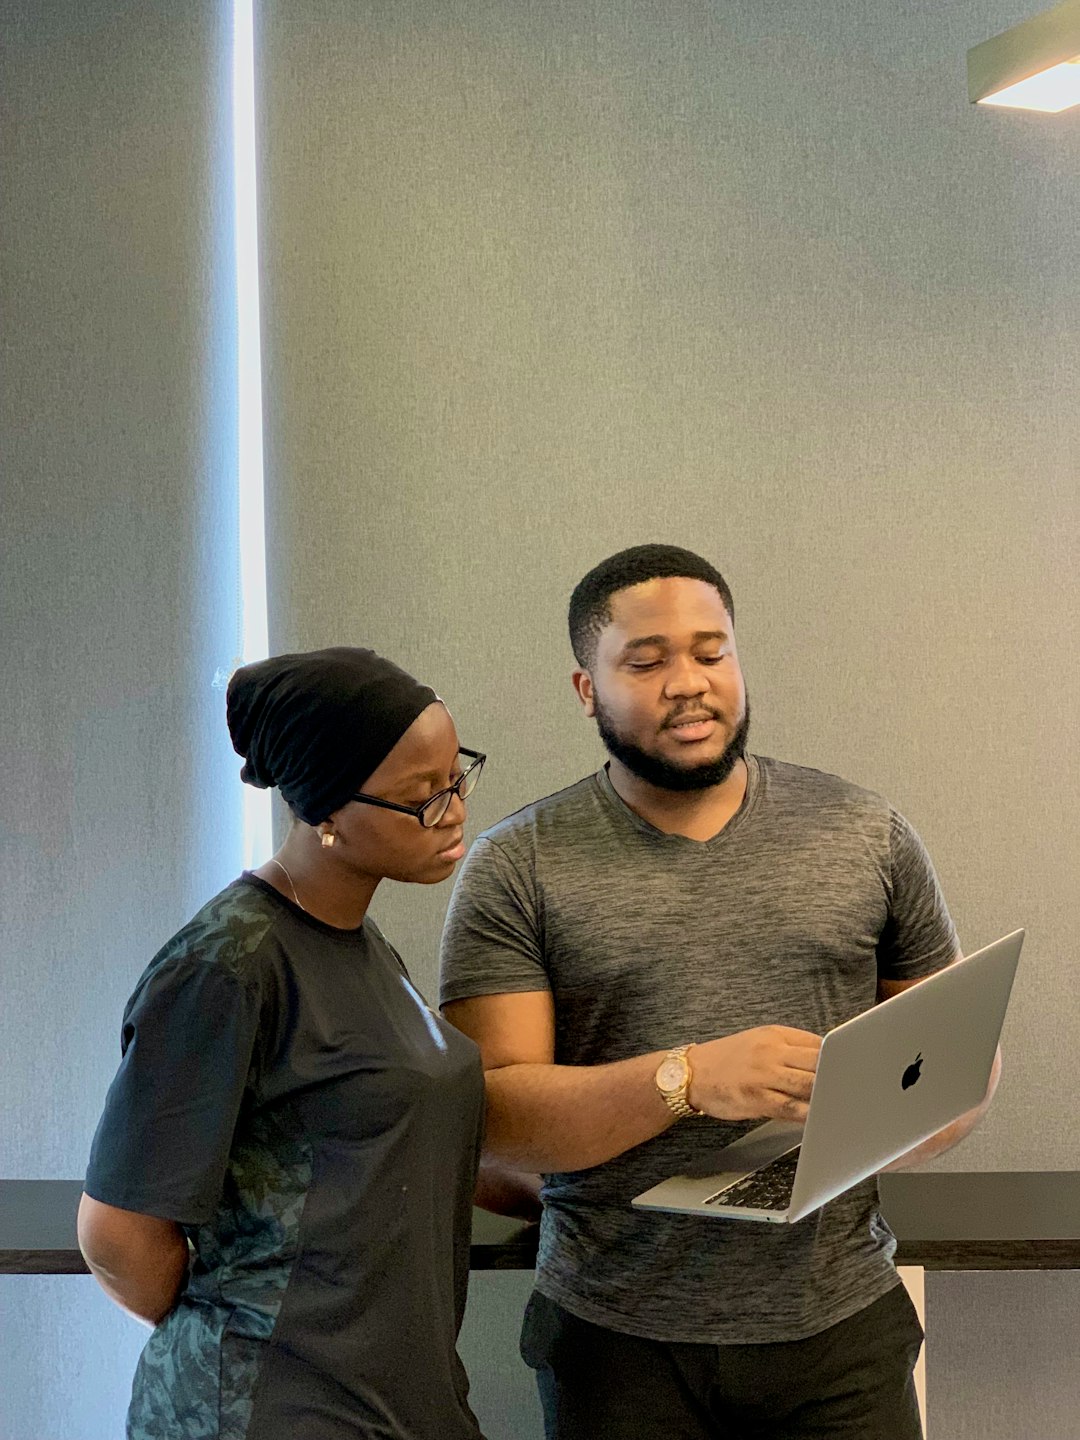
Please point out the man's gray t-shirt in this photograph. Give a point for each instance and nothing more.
(812, 892)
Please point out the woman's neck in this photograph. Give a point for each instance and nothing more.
(319, 884)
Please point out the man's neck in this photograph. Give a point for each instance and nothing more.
(697, 814)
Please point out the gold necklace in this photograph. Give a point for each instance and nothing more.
(292, 886)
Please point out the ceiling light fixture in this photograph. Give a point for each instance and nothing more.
(1033, 66)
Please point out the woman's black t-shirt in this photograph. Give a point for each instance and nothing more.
(286, 1095)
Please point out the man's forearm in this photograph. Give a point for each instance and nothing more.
(571, 1117)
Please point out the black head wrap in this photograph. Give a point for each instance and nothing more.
(317, 724)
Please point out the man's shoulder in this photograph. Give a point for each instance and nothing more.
(560, 814)
(804, 785)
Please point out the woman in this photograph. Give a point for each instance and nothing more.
(281, 1181)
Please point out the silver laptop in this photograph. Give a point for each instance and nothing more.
(886, 1080)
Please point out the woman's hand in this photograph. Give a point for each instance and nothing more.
(504, 1191)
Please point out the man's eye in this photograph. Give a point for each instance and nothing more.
(642, 664)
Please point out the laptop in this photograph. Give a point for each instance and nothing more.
(886, 1080)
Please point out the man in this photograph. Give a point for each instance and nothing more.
(689, 895)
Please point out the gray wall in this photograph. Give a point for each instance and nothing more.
(119, 805)
(540, 280)
(751, 279)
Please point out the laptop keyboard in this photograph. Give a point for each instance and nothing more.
(766, 1189)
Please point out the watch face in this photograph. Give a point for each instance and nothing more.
(671, 1074)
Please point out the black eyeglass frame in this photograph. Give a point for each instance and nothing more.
(417, 811)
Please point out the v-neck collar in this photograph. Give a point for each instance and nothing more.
(645, 827)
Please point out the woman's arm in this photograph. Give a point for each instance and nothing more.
(505, 1191)
(139, 1261)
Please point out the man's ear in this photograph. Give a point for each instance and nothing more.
(582, 682)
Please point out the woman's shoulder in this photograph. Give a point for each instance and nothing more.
(224, 942)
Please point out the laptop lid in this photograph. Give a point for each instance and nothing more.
(886, 1080)
(898, 1073)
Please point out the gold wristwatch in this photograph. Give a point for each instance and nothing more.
(673, 1076)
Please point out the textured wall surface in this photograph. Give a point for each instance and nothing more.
(117, 598)
(1003, 1361)
(537, 288)
(542, 280)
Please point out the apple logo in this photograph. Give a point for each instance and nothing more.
(911, 1074)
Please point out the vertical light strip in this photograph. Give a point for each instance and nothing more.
(251, 517)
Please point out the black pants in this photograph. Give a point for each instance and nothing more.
(853, 1380)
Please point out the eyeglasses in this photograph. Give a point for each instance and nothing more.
(432, 811)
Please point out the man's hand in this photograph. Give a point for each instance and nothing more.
(761, 1074)
(544, 1117)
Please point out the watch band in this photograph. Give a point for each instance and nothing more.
(675, 1099)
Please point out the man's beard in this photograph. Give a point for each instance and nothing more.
(664, 774)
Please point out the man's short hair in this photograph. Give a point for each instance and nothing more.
(590, 604)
